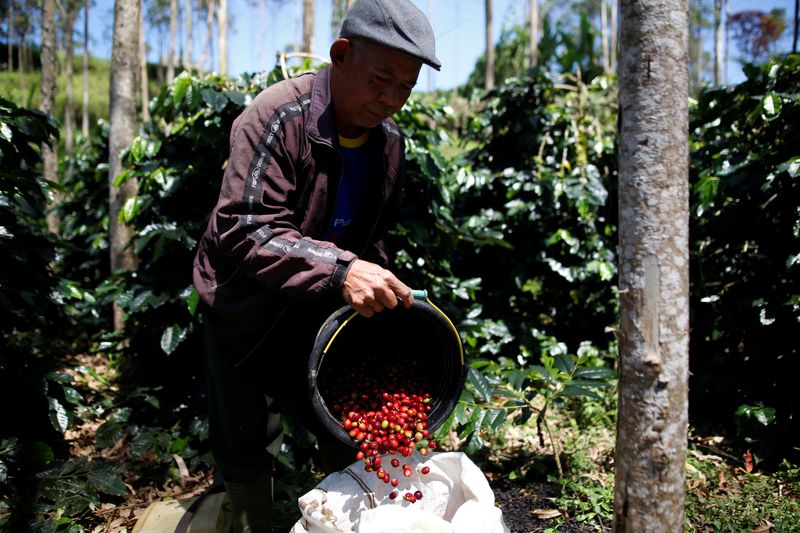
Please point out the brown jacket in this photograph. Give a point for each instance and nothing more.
(263, 247)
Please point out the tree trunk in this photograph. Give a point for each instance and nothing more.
(489, 81)
(69, 67)
(654, 264)
(173, 31)
(533, 34)
(614, 33)
(796, 25)
(727, 42)
(48, 87)
(209, 35)
(187, 50)
(144, 79)
(308, 26)
(85, 106)
(699, 58)
(10, 35)
(122, 104)
(222, 41)
(604, 36)
(718, 41)
(21, 59)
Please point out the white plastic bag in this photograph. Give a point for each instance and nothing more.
(456, 498)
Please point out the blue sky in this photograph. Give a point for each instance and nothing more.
(458, 25)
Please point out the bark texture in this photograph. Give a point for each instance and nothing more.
(122, 126)
(70, 12)
(308, 26)
(48, 88)
(533, 33)
(85, 99)
(173, 36)
(144, 79)
(222, 26)
(718, 41)
(653, 246)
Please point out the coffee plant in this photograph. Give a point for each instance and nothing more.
(745, 230)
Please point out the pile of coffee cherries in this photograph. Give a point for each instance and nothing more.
(383, 423)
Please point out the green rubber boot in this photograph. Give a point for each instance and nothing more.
(251, 505)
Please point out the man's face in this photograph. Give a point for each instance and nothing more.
(372, 82)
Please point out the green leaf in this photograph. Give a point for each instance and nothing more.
(128, 211)
(480, 383)
(214, 100)
(171, 338)
(72, 396)
(494, 419)
(108, 434)
(5, 131)
(60, 377)
(792, 167)
(58, 415)
(192, 301)
(522, 418)
(236, 97)
(107, 483)
(518, 379)
(595, 373)
(179, 89)
(474, 424)
(542, 371)
(573, 391)
(565, 362)
(771, 106)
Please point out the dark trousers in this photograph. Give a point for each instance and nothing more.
(248, 389)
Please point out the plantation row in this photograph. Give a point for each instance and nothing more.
(509, 221)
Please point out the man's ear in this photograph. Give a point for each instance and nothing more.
(340, 49)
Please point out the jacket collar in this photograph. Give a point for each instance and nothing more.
(321, 123)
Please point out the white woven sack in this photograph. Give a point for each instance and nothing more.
(456, 499)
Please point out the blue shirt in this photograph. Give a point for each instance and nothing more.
(352, 186)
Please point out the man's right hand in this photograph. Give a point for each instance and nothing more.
(369, 289)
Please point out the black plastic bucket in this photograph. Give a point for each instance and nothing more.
(422, 332)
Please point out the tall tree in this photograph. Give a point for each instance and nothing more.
(614, 32)
(122, 124)
(209, 10)
(144, 78)
(340, 8)
(10, 34)
(85, 99)
(48, 87)
(308, 26)
(698, 22)
(604, 37)
(489, 79)
(173, 32)
(222, 39)
(69, 12)
(533, 33)
(652, 419)
(718, 55)
(187, 49)
(22, 24)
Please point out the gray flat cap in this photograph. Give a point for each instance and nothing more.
(398, 24)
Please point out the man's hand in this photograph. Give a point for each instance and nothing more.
(369, 289)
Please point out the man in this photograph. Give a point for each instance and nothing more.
(307, 198)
